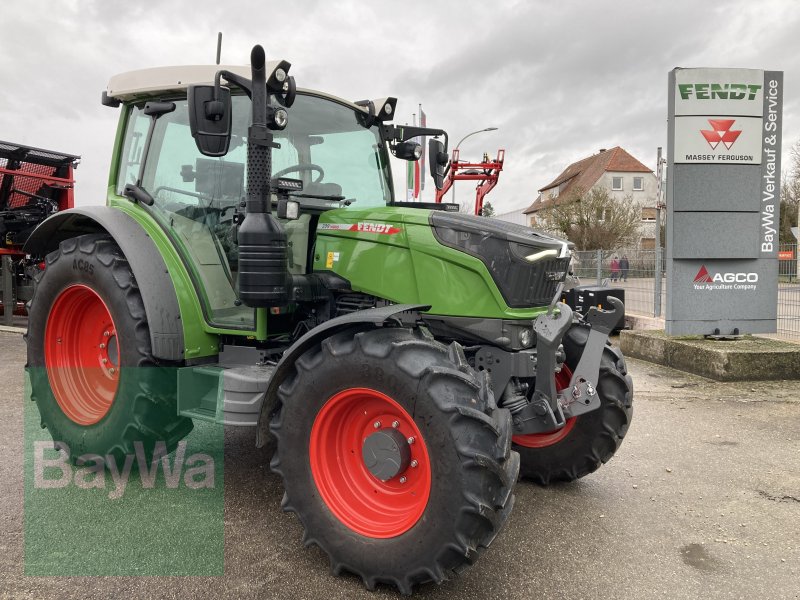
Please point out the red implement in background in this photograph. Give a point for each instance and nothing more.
(486, 173)
(34, 184)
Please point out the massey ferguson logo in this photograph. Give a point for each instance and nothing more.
(721, 132)
(724, 281)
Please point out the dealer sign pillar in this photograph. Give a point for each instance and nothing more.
(723, 196)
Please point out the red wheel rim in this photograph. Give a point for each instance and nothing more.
(81, 354)
(361, 501)
(542, 440)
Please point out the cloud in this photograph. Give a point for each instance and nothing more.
(559, 80)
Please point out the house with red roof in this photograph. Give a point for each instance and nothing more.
(615, 170)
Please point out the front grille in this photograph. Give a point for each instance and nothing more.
(531, 284)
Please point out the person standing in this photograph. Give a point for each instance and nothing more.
(614, 269)
(624, 265)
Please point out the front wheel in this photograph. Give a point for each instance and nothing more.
(588, 440)
(394, 456)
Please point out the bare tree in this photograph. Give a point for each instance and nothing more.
(594, 220)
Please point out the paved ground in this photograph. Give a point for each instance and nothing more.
(701, 501)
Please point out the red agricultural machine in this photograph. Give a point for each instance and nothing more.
(486, 173)
(34, 184)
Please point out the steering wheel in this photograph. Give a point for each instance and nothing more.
(299, 168)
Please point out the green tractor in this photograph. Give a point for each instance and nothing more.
(251, 267)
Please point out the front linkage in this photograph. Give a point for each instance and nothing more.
(549, 408)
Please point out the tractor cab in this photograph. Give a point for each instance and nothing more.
(331, 155)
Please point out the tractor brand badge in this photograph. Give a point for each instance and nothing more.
(381, 228)
(724, 281)
(721, 132)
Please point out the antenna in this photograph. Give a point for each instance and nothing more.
(219, 45)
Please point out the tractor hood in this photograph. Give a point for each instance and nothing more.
(525, 264)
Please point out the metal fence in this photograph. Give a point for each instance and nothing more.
(646, 295)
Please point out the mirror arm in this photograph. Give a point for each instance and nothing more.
(395, 133)
(245, 84)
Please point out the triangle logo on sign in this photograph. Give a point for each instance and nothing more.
(721, 132)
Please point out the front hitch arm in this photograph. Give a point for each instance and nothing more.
(581, 396)
(549, 409)
(543, 412)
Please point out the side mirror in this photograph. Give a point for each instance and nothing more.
(437, 158)
(210, 118)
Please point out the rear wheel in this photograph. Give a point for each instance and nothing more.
(588, 440)
(96, 384)
(394, 456)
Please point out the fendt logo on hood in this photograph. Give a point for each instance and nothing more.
(725, 281)
(721, 132)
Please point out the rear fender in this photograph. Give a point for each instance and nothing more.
(148, 266)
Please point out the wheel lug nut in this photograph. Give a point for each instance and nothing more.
(403, 479)
(410, 440)
(105, 360)
(102, 346)
(112, 370)
(414, 463)
(395, 424)
(106, 334)
(377, 424)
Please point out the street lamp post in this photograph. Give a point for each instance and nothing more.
(459, 143)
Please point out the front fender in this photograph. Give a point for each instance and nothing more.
(148, 266)
(362, 319)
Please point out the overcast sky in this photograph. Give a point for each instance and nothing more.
(559, 79)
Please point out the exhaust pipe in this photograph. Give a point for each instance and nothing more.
(263, 274)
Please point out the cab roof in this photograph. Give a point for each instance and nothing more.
(146, 83)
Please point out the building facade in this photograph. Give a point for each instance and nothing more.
(614, 170)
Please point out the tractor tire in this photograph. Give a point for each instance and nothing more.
(93, 378)
(434, 511)
(588, 440)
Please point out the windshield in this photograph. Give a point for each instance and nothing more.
(340, 161)
(327, 147)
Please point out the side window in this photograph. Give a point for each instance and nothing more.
(130, 161)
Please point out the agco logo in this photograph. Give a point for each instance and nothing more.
(721, 132)
(703, 276)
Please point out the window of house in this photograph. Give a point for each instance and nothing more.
(648, 213)
(616, 183)
(647, 243)
(603, 214)
(638, 184)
